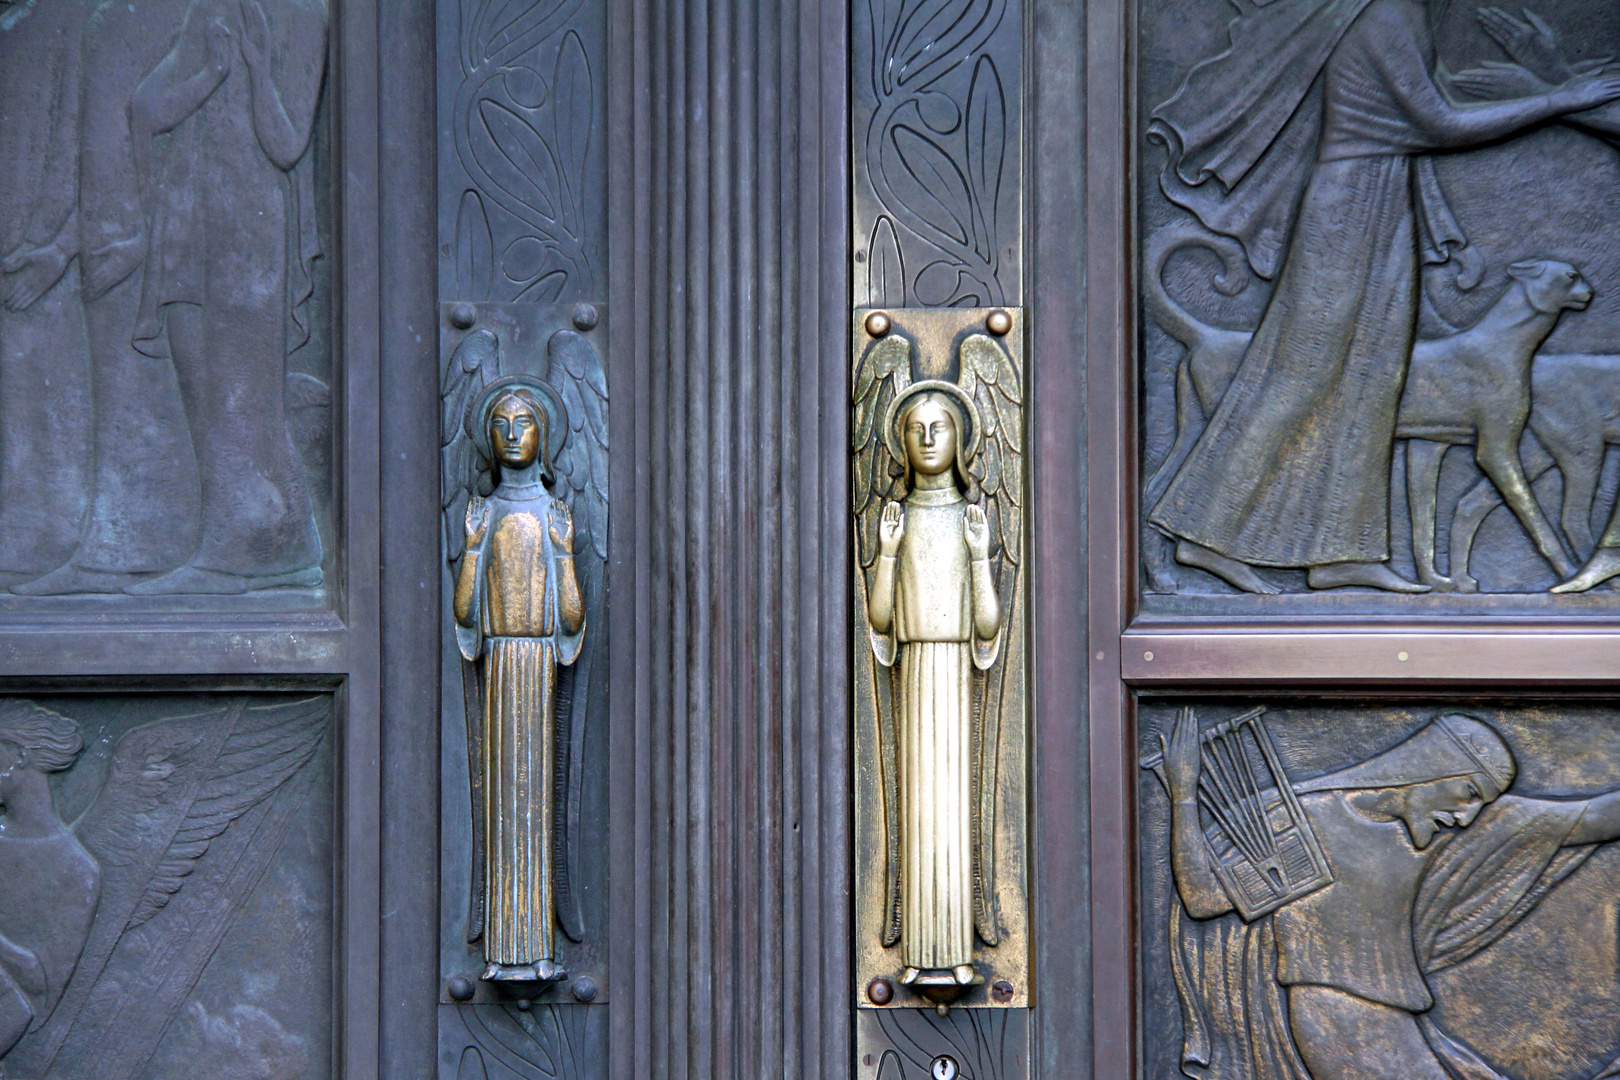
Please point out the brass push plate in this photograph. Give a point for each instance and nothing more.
(941, 750)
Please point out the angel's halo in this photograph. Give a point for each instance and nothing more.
(971, 441)
(479, 409)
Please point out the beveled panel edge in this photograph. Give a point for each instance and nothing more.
(1499, 655)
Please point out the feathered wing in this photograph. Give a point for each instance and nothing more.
(581, 472)
(474, 365)
(883, 371)
(463, 473)
(193, 810)
(989, 376)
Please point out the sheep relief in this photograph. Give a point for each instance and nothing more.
(1376, 230)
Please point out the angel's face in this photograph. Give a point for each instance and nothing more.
(514, 433)
(930, 436)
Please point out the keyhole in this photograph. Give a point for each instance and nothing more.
(944, 1067)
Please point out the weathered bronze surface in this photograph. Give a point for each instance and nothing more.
(1372, 232)
(167, 881)
(1401, 889)
(166, 366)
(525, 516)
(912, 1044)
(937, 437)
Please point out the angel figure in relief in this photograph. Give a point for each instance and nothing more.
(939, 495)
(107, 920)
(524, 599)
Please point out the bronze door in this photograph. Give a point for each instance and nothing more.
(847, 538)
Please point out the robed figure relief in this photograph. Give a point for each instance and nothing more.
(532, 540)
(938, 464)
(1307, 142)
(1313, 912)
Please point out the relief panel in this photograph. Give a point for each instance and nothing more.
(165, 355)
(1375, 231)
(936, 122)
(168, 878)
(522, 161)
(524, 832)
(1402, 888)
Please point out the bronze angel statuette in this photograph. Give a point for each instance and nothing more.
(524, 615)
(939, 506)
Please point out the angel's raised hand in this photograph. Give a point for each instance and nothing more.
(976, 532)
(891, 529)
(561, 524)
(477, 523)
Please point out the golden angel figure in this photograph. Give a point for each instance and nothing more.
(938, 476)
(519, 609)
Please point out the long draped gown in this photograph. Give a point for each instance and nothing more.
(1293, 468)
(524, 601)
(933, 643)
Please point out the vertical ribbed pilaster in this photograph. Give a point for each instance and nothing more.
(731, 853)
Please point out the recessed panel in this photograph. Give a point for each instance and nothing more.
(1380, 308)
(1333, 888)
(167, 373)
(168, 887)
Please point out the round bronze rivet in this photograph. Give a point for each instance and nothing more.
(999, 322)
(585, 316)
(880, 991)
(463, 316)
(877, 324)
(584, 988)
(460, 988)
(1001, 990)
(524, 1004)
(1148, 657)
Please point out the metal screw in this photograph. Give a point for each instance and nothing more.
(880, 991)
(585, 317)
(584, 988)
(877, 324)
(998, 322)
(463, 316)
(1001, 990)
(460, 988)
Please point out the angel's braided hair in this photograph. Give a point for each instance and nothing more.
(50, 741)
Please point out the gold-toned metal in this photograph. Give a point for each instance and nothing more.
(519, 613)
(940, 660)
(998, 322)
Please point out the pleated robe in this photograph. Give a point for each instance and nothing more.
(933, 645)
(519, 630)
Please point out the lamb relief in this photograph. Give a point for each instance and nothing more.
(940, 513)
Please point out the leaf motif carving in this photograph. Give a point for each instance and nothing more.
(939, 144)
(525, 166)
(941, 196)
(885, 267)
(986, 149)
(474, 248)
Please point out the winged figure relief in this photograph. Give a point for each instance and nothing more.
(568, 385)
(107, 923)
(939, 544)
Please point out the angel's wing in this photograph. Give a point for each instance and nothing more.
(582, 482)
(988, 375)
(193, 810)
(474, 365)
(884, 370)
